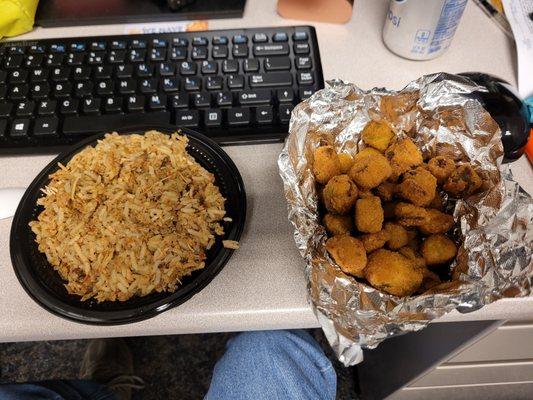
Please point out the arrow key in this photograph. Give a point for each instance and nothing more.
(264, 115)
(285, 95)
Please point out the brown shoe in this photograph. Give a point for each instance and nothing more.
(109, 362)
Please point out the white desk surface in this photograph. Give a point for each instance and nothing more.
(263, 287)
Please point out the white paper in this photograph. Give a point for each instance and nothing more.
(517, 13)
(165, 27)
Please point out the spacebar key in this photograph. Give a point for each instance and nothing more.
(90, 124)
(271, 79)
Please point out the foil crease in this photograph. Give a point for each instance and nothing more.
(442, 116)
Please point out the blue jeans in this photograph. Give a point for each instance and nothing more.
(269, 365)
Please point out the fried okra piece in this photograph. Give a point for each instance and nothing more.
(438, 249)
(463, 181)
(436, 222)
(349, 254)
(367, 151)
(418, 186)
(441, 167)
(374, 241)
(377, 135)
(365, 193)
(398, 236)
(369, 215)
(392, 273)
(403, 155)
(386, 190)
(340, 194)
(414, 256)
(430, 280)
(346, 161)
(326, 164)
(413, 240)
(437, 202)
(369, 171)
(338, 224)
(409, 214)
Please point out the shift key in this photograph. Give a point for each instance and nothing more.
(271, 79)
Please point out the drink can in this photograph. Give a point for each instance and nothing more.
(421, 29)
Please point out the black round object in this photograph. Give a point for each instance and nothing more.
(46, 287)
(504, 105)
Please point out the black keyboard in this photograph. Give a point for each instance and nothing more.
(236, 86)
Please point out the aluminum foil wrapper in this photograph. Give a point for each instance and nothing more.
(441, 115)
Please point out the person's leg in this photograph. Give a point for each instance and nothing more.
(272, 365)
(56, 390)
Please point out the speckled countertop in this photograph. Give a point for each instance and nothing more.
(263, 287)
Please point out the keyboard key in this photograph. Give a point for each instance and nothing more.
(95, 57)
(98, 45)
(68, 106)
(75, 58)
(77, 47)
(137, 55)
(79, 74)
(103, 72)
(235, 81)
(144, 70)
(305, 78)
(116, 56)
(201, 99)
(220, 51)
(83, 89)
(180, 42)
(62, 89)
(18, 76)
(170, 85)
(86, 125)
(148, 86)
(214, 83)
(304, 63)
(38, 75)
(40, 90)
(277, 64)
(90, 106)
(54, 60)
(230, 66)
(112, 105)
(224, 99)
(124, 71)
(271, 79)
(178, 53)
(20, 128)
(179, 100)
(192, 83)
(104, 87)
(135, 103)
(199, 41)
(240, 50)
(118, 45)
(285, 95)
(3, 127)
(36, 49)
(260, 38)
(285, 113)
(167, 69)
(299, 35)
(213, 118)
(157, 102)
(276, 49)
(3, 91)
(24, 109)
(305, 93)
(46, 126)
(58, 48)
(301, 48)
(253, 97)
(5, 109)
(159, 43)
(13, 61)
(240, 39)
(34, 60)
(187, 68)
(238, 116)
(279, 37)
(264, 115)
(219, 40)
(158, 54)
(209, 67)
(187, 118)
(199, 53)
(18, 92)
(46, 107)
(250, 65)
(127, 86)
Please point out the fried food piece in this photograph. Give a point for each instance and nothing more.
(374, 241)
(441, 167)
(430, 280)
(367, 151)
(349, 254)
(403, 155)
(388, 209)
(377, 135)
(326, 164)
(463, 181)
(365, 193)
(413, 255)
(398, 236)
(369, 214)
(369, 171)
(436, 222)
(437, 202)
(418, 186)
(409, 214)
(338, 224)
(438, 249)
(393, 273)
(413, 241)
(340, 194)
(346, 161)
(386, 190)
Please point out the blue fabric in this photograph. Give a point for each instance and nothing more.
(284, 365)
(56, 390)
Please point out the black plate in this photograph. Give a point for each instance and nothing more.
(45, 285)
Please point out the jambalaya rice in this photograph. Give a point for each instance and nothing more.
(130, 216)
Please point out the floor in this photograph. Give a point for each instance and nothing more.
(174, 367)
